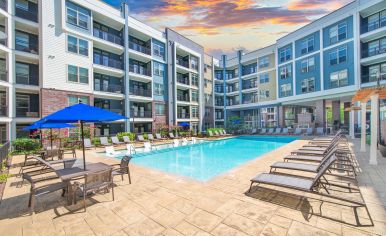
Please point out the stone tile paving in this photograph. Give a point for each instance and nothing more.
(157, 203)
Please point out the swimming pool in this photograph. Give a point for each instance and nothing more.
(206, 160)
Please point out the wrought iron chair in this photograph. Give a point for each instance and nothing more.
(123, 168)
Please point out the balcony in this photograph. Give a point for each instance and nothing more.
(219, 104)
(183, 63)
(194, 66)
(248, 101)
(250, 85)
(232, 103)
(27, 14)
(140, 92)
(3, 110)
(372, 78)
(3, 75)
(110, 88)
(183, 115)
(140, 70)
(27, 79)
(373, 52)
(183, 98)
(141, 114)
(109, 62)
(107, 36)
(30, 48)
(3, 4)
(25, 113)
(183, 79)
(373, 26)
(218, 90)
(140, 48)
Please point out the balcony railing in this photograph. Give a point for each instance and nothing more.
(28, 15)
(373, 52)
(248, 101)
(219, 104)
(111, 88)
(107, 36)
(140, 48)
(141, 114)
(182, 115)
(27, 79)
(4, 40)
(183, 98)
(108, 62)
(217, 90)
(250, 85)
(233, 103)
(194, 66)
(140, 92)
(182, 80)
(3, 4)
(373, 26)
(140, 70)
(248, 71)
(3, 110)
(219, 117)
(30, 48)
(24, 112)
(373, 78)
(3, 75)
(183, 63)
(119, 111)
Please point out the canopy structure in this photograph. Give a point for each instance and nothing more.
(184, 124)
(82, 113)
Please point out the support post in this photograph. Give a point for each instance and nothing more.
(374, 129)
(352, 123)
(363, 126)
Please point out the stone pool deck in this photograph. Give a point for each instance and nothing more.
(157, 203)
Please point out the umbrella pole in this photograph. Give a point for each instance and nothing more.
(51, 137)
(84, 155)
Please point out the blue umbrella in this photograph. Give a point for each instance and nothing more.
(82, 113)
(184, 124)
(236, 122)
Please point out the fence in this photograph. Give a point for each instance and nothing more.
(4, 151)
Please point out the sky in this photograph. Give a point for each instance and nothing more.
(224, 26)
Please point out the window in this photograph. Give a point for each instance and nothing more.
(285, 54)
(263, 62)
(194, 112)
(264, 94)
(77, 15)
(308, 85)
(22, 102)
(22, 41)
(307, 45)
(285, 90)
(194, 62)
(286, 71)
(158, 50)
(194, 79)
(337, 56)
(76, 45)
(307, 65)
(160, 109)
(72, 100)
(339, 78)
(158, 89)
(194, 96)
(158, 69)
(207, 82)
(264, 78)
(77, 74)
(22, 4)
(338, 32)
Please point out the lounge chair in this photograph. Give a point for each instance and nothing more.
(147, 147)
(122, 168)
(184, 142)
(278, 131)
(126, 139)
(116, 141)
(171, 135)
(310, 131)
(319, 131)
(254, 131)
(140, 138)
(270, 131)
(298, 131)
(130, 149)
(285, 131)
(225, 133)
(217, 133)
(210, 134)
(158, 136)
(194, 140)
(176, 143)
(327, 138)
(150, 137)
(263, 131)
(110, 151)
(104, 141)
(87, 143)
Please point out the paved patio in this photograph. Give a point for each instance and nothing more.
(162, 204)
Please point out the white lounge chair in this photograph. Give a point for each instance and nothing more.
(150, 137)
(270, 131)
(110, 151)
(158, 136)
(147, 147)
(263, 131)
(171, 135)
(126, 139)
(320, 131)
(298, 131)
(310, 131)
(285, 131)
(194, 140)
(278, 131)
(140, 138)
(210, 133)
(130, 149)
(116, 141)
(176, 143)
(104, 141)
(254, 131)
(87, 143)
(184, 142)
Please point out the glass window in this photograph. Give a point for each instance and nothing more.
(373, 22)
(158, 50)
(333, 34)
(342, 31)
(307, 65)
(337, 56)
(307, 45)
(22, 73)
(194, 79)
(194, 96)
(383, 18)
(264, 78)
(22, 102)
(83, 47)
(158, 69)
(72, 44)
(308, 85)
(160, 109)
(72, 100)
(339, 78)
(22, 4)
(263, 62)
(77, 15)
(158, 89)
(286, 71)
(285, 54)
(77, 74)
(194, 112)
(22, 40)
(83, 75)
(285, 90)
(264, 94)
(72, 72)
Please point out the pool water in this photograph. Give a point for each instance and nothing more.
(206, 160)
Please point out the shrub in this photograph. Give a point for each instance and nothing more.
(145, 136)
(25, 145)
(4, 177)
(213, 130)
(128, 134)
(96, 141)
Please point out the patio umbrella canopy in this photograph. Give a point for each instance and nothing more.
(82, 113)
(184, 124)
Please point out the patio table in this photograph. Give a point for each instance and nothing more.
(77, 171)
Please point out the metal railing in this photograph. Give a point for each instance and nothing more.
(248, 71)
(182, 80)
(140, 92)
(248, 101)
(140, 70)
(108, 62)
(4, 75)
(3, 110)
(194, 66)
(24, 112)
(107, 36)
(27, 79)
(111, 88)
(221, 104)
(183, 98)
(4, 152)
(31, 48)
(141, 114)
(183, 63)
(139, 48)
(373, 26)
(117, 111)
(4, 4)
(250, 85)
(181, 115)
(28, 15)
(373, 52)
(373, 78)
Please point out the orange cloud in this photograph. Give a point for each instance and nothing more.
(314, 4)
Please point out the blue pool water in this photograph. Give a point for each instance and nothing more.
(207, 160)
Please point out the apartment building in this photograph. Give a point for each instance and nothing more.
(316, 71)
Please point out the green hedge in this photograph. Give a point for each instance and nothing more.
(214, 129)
(128, 134)
(25, 145)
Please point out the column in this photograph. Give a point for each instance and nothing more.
(374, 129)
(363, 126)
(352, 123)
(336, 114)
(126, 63)
(320, 113)
(11, 132)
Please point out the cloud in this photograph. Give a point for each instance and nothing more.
(230, 53)
(313, 4)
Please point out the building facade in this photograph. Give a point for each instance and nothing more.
(57, 53)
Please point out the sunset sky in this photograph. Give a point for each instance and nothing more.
(223, 26)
